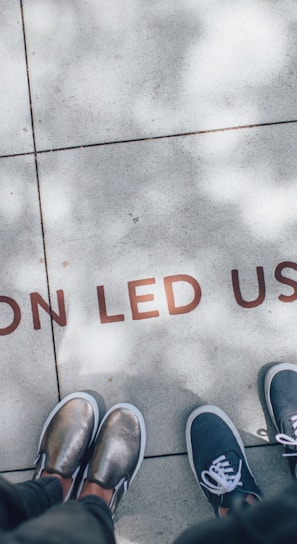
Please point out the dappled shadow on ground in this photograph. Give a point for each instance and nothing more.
(200, 205)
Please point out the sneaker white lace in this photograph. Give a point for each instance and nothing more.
(287, 440)
(221, 477)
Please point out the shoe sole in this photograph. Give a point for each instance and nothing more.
(140, 418)
(220, 413)
(79, 394)
(267, 384)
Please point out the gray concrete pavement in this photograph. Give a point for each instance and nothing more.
(148, 219)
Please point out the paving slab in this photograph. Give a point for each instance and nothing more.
(112, 70)
(15, 128)
(164, 499)
(121, 218)
(28, 387)
(17, 476)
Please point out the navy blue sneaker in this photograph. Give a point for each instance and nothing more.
(217, 458)
(281, 398)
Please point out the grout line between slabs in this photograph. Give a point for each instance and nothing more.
(11, 471)
(184, 453)
(150, 457)
(168, 136)
(135, 140)
(39, 197)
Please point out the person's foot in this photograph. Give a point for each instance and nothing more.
(117, 456)
(281, 398)
(218, 461)
(66, 436)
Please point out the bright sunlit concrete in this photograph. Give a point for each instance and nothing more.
(138, 211)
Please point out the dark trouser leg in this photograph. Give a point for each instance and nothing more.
(87, 521)
(102, 513)
(21, 502)
(273, 520)
(30, 513)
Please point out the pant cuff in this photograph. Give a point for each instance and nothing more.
(99, 509)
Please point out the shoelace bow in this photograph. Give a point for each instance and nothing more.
(287, 440)
(221, 477)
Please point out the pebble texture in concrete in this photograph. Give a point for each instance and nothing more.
(191, 209)
(141, 142)
(112, 70)
(15, 129)
(28, 385)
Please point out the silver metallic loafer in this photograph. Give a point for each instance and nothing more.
(118, 451)
(66, 436)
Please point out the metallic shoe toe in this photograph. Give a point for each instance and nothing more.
(66, 435)
(119, 450)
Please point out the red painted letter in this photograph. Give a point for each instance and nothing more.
(59, 318)
(104, 318)
(173, 309)
(136, 299)
(286, 281)
(16, 315)
(237, 293)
